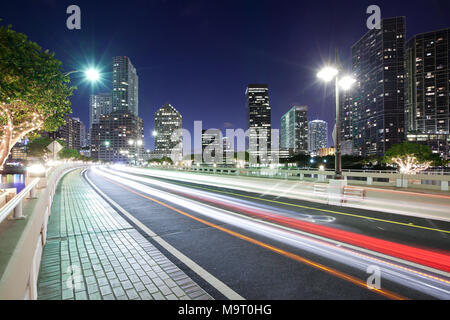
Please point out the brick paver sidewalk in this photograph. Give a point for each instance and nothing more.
(93, 253)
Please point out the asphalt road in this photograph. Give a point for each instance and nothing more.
(258, 266)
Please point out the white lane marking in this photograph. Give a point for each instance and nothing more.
(271, 189)
(213, 281)
(288, 190)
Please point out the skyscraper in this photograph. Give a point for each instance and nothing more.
(99, 104)
(167, 120)
(70, 133)
(378, 98)
(259, 120)
(118, 137)
(294, 130)
(318, 135)
(82, 133)
(427, 111)
(125, 86)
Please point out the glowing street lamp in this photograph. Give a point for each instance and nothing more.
(91, 74)
(327, 74)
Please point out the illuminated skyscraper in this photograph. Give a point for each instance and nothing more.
(318, 135)
(294, 130)
(378, 96)
(167, 120)
(125, 85)
(258, 120)
(427, 112)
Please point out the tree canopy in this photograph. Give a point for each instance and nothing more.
(69, 154)
(411, 157)
(34, 93)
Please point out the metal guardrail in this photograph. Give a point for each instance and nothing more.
(16, 203)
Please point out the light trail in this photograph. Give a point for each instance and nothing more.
(420, 281)
(398, 207)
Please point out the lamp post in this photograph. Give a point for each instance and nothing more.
(345, 83)
(91, 74)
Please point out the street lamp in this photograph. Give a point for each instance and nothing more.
(91, 74)
(327, 74)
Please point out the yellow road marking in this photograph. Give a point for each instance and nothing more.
(282, 252)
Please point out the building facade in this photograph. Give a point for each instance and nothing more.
(294, 130)
(118, 137)
(70, 133)
(378, 96)
(427, 110)
(125, 94)
(99, 104)
(167, 121)
(346, 109)
(317, 136)
(258, 112)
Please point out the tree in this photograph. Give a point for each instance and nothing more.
(411, 158)
(69, 154)
(33, 90)
(38, 146)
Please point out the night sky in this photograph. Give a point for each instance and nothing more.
(200, 55)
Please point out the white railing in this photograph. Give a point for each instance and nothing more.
(16, 203)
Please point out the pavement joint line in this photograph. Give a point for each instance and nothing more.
(309, 208)
(282, 252)
(212, 280)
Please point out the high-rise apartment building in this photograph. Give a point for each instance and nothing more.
(167, 121)
(294, 130)
(259, 121)
(99, 104)
(378, 96)
(82, 133)
(125, 86)
(317, 136)
(70, 133)
(118, 137)
(427, 111)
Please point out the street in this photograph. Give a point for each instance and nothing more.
(259, 253)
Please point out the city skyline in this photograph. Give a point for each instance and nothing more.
(289, 69)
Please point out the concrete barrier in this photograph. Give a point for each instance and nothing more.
(438, 181)
(21, 241)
